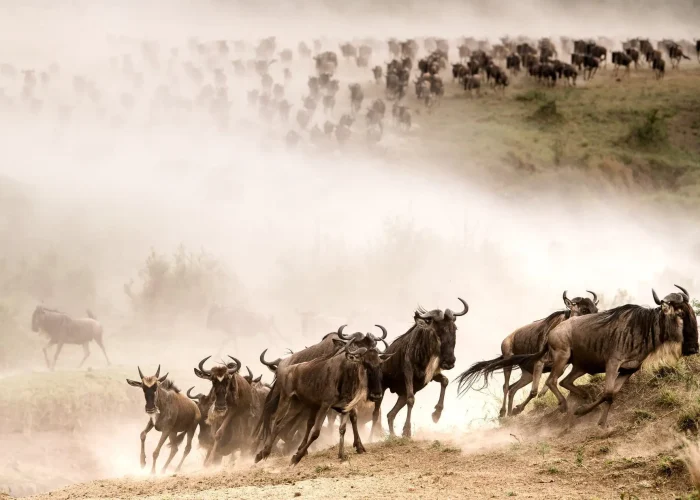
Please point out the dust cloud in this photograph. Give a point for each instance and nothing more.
(360, 236)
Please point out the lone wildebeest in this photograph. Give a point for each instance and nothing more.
(618, 343)
(421, 354)
(527, 339)
(62, 329)
(171, 413)
(337, 382)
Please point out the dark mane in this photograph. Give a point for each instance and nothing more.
(403, 335)
(169, 385)
(632, 313)
(553, 317)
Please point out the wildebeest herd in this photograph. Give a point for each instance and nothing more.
(347, 375)
(204, 81)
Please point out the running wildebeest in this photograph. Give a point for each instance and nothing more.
(618, 343)
(422, 353)
(171, 413)
(337, 382)
(527, 339)
(62, 329)
(232, 413)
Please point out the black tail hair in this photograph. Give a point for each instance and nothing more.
(264, 425)
(486, 368)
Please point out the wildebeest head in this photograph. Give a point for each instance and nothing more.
(37, 318)
(445, 327)
(371, 360)
(580, 306)
(676, 306)
(150, 389)
(222, 378)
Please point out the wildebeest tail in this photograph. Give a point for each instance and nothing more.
(468, 378)
(264, 425)
(90, 314)
(486, 369)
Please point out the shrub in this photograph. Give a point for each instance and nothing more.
(668, 399)
(689, 419)
(184, 284)
(650, 133)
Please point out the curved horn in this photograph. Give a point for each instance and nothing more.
(358, 352)
(595, 297)
(273, 364)
(201, 366)
(686, 297)
(158, 371)
(249, 372)
(386, 346)
(238, 364)
(258, 379)
(384, 332)
(163, 378)
(466, 308)
(195, 398)
(341, 335)
(140, 373)
(656, 297)
(564, 297)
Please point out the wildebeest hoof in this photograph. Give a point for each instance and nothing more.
(360, 449)
(563, 408)
(342, 457)
(579, 411)
(516, 411)
(407, 433)
(259, 457)
(295, 459)
(436, 416)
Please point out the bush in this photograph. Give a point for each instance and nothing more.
(689, 419)
(650, 133)
(187, 283)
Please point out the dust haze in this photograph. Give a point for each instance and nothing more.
(360, 236)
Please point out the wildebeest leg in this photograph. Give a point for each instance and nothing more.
(536, 375)
(156, 452)
(441, 401)
(568, 382)
(315, 432)
(188, 447)
(410, 400)
(376, 420)
(173, 450)
(86, 353)
(357, 442)
(331, 420)
(99, 342)
(341, 435)
(149, 426)
(400, 403)
(611, 388)
(55, 356)
(281, 421)
(560, 359)
(506, 384)
(45, 349)
(309, 425)
(525, 378)
(220, 433)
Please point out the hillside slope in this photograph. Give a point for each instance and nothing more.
(643, 454)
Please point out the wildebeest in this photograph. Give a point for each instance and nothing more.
(617, 342)
(171, 413)
(328, 104)
(232, 414)
(659, 67)
(675, 53)
(513, 63)
(421, 354)
(377, 72)
(527, 339)
(356, 97)
(337, 382)
(697, 48)
(62, 329)
(239, 321)
(590, 66)
(621, 59)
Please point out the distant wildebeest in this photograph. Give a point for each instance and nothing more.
(513, 63)
(328, 104)
(617, 342)
(697, 49)
(472, 82)
(577, 60)
(232, 414)
(337, 382)
(421, 354)
(621, 59)
(659, 67)
(239, 321)
(675, 53)
(62, 329)
(171, 413)
(377, 72)
(590, 66)
(528, 339)
(634, 55)
(356, 97)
